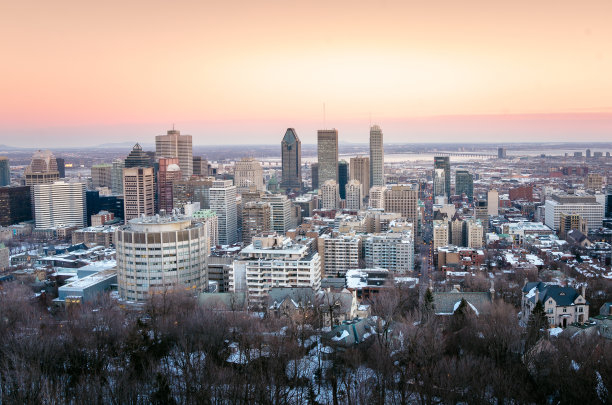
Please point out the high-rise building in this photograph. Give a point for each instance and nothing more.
(403, 200)
(42, 169)
(201, 166)
(15, 205)
(354, 195)
(117, 176)
(169, 172)
(608, 211)
(377, 197)
(464, 184)
(155, 254)
(585, 206)
(393, 251)
(223, 202)
(568, 222)
(457, 234)
(282, 219)
(440, 234)
(192, 191)
(330, 196)
(493, 203)
(377, 157)
(101, 175)
(501, 153)
(475, 234)
(343, 177)
(256, 219)
(173, 144)
(61, 167)
(443, 162)
(439, 183)
(60, 204)
(314, 174)
(481, 211)
(210, 219)
(248, 173)
(138, 192)
(327, 155)
(5, 172)
(360, 170)
(341, 253)
(291, 156)
(138, 158)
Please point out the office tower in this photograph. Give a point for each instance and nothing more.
(15, 205)
(197, 166)
(60, 204)
(354, 195)
(293, 263)
(101, 176)
(291, 156)
(327, 155)
(61, 167)
(176, 145)
(440, 234)
(568, 222)
(360, 170)
(393, 251)
(403, 200)
(5, 172)
(223, 202)
(464, 184)
(439, 183)
(210, 218)
(340, 254)
(138, 192)
(443, 162)
(457, 232)
(585, 206)
(42, 169)
(377, 157)
(169, 172)
(112, 203)
(588, 153)
(377, 197)
(191, 191)
(330, 196)
(501, 153)
(481, 211)
(117, 176)
(475, 234)
(248, 173)
(280, 208)
(256, 219)
(170, 252)
(493, 203)
(92, 204)
(594, 182)
(343, 176)
(314, 170)
(138, 158)
(608, 212)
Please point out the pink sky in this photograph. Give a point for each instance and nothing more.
(77, 72)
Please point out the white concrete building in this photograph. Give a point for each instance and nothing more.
(223, 202)
(248, 173)
(330, 196)
(475, 234)
(60, 204)
(340, 254)
(280, 212)
(493, 203)
(586, 206)
(275, 261)
(155, 254)
(377, 197)
(354, 195)
(377, 157)
(440, 234)
(393, 251)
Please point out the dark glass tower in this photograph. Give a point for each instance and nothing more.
(443, 162)
(61, 167)
(343, 176)
(291, 154)
(138, 158)
(464, 183)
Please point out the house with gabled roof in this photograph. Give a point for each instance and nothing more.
(446, 303)
(562, 305)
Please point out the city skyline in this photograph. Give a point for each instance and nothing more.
(438, 72)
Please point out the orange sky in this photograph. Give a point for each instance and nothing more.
(126, 70)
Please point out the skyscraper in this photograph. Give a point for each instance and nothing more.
(169, 172)
(354, 195)
(101, 175)
(176, 145)
(5, 172)
(377, 157)
(360, 170)
(280, 211)
(223, 202)
(256, 218)
(501, 153)
(248, 173)
(15, 205)
(343, 176)
(493, 203)
(403, 200)
(138, 158)
(314, 174)
(42, 169)
(291, 156)
(138, 192)
(443, 162)
(330, 198)
(117, 176)
(464, 184)
(327, 155)
(439, 183)
(60, 204)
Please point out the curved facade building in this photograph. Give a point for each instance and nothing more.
(155, 254)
